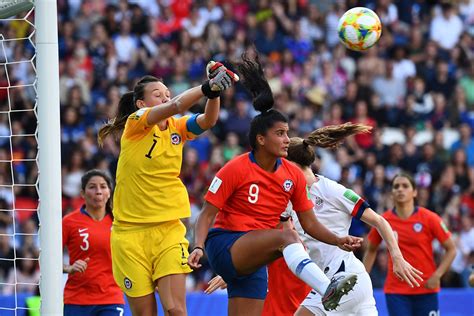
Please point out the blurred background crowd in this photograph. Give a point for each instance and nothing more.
(415, 87)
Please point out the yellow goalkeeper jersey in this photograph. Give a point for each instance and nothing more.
(148, 189)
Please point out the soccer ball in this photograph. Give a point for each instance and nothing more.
(359, 28)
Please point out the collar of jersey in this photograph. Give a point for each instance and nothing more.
(83, 210)
(395, 211)
(252, 159)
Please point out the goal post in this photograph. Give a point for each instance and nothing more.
(49, 143)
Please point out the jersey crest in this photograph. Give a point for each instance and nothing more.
(287, 185)
(417, 227)
(318, 202)
(175, 139)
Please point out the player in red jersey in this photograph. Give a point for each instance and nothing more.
(91, 288)
(415, 228)
(285, 290)
(245, 200)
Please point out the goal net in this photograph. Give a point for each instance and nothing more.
(19, 221)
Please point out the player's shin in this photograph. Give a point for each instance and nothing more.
(303, 267)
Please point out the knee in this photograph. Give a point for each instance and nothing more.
(289, 236)
(177, 311)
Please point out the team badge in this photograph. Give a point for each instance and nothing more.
(127, 283)
(318, 202)
(175, 139)
(417, 227)
(287, 185)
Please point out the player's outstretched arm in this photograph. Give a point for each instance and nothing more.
(315, 229)
(203, 224)
(182, 102)
(401, 268)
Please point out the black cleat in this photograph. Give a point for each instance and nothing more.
(339, 286)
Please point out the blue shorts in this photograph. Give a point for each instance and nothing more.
(412, 305)
(218, 244)
(94, 310)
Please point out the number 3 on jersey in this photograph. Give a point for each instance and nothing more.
(85, 241)
(253, 193)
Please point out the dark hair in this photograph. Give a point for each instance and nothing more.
(300, 152)
(99, 173)
(255, 82)
(126, 106)
(404, 175)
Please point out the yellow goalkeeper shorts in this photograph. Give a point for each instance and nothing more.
(143, 255)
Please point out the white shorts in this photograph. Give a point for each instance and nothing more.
(358, 302)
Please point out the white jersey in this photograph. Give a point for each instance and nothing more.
(334, 206)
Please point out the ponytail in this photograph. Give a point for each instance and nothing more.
(334, 135)
(300, 151)
(126, 107)
(255, 82)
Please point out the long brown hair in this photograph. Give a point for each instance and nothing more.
(126, 106)
(300, 152)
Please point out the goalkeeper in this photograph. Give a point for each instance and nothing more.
(149, 248)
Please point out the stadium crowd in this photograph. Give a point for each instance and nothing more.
(415, 87)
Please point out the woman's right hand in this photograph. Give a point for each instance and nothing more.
(194, 257)
(78, 266)
(216, 282)
(349, 243)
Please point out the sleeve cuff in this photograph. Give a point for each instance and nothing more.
(360, 208)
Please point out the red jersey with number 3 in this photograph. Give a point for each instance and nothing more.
(415, 236)
(84, 238)
(251, 198)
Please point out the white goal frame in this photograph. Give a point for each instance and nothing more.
(49, 149)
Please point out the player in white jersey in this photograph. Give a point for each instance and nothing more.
(335, 205)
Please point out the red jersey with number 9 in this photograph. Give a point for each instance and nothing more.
(251, 198)
(415, 236)
(84, 238)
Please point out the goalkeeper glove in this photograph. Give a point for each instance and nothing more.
(220, 79)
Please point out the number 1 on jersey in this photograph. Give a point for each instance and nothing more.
(151, 149)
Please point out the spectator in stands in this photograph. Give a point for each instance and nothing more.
(7, 253)
(25, 278)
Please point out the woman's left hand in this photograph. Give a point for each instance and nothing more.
(405, 272)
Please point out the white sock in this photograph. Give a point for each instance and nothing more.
(301, 265)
